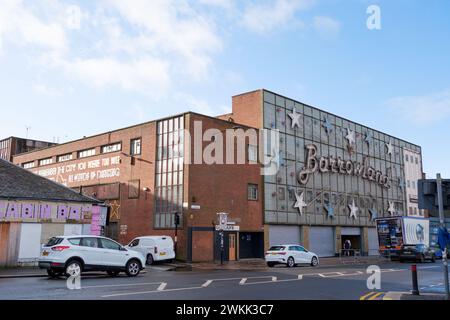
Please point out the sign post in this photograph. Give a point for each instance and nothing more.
(442, 221)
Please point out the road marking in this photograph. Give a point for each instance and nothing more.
(376, 295)
(242, 281)
(146, 292)
(300, 277)
(274, 279)
(120, 285)
(207, 283)
(364, 297)
(162, 286)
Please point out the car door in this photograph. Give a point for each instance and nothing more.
(304, 256)
(90, 251)
(112, 253)
(294, 253)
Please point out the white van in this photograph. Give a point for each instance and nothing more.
(154, 248)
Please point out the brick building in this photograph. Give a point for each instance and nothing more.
(141, 174)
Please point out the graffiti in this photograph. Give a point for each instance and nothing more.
(37, 211)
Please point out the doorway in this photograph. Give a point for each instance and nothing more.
(232, 247)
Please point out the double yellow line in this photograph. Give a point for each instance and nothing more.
(372, 295)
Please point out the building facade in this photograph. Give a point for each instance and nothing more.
(13, 145)
(413, 173)
(142, 174)
(34, 209)
(334, 177)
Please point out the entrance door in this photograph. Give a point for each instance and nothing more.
(232, 247)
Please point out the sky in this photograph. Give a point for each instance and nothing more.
(74, 68)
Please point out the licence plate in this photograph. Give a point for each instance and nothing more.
(162, 253)
(45, 253)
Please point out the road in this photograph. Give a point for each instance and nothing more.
(346, 282)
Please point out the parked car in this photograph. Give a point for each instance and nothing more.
(72, 255)
(290, 255)
(154, 248)
(417, 252)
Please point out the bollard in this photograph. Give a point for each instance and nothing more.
(415, 290)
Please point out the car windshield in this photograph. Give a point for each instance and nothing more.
(276, 248)
(54, 241)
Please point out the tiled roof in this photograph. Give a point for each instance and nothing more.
(19, 183)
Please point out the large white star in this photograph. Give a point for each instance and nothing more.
(300, 202)
(350, 136)
(353, 209)
(390, 148)
(391, 209)
(295, 118)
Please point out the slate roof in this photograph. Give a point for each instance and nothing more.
(17, 183)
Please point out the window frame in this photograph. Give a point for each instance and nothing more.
(132, 153)
(249, 194)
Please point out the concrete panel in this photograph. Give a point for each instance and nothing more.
(51, 230)
(73, 229)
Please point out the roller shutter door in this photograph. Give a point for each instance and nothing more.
(321, 241)
(284, 235)
(373, 242)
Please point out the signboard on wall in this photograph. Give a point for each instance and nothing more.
(37, 211)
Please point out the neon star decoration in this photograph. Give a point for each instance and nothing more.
(353, 210)
(327, 125)
(300, 202)
(350, 137)
(330, 211)
(369, 138)
(390, 148)
(295, 117)
(391, 208)
(373, 214)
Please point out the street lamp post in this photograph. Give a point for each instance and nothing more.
(177, 222)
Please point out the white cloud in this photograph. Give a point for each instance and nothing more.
(423, 110)
(268, 16)
(46, 90)
(201, 106)
(326, 26)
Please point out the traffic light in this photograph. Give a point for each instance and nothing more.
(428, 197)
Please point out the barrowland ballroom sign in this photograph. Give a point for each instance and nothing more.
(340, 166)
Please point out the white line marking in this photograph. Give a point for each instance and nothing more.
(243, 281)
(300, 277)
(145, 292)
(162, 286)
(274, 279)
(121, 285)
(207, 283)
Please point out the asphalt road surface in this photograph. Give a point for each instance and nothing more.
(344, 282)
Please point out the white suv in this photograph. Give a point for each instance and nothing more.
(71, 255)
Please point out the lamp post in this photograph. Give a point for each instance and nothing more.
(177, 222)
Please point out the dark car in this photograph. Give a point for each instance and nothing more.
(417, 252)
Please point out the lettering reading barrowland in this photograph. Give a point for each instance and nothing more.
(338, 165)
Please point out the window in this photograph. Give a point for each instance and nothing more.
(112, 147)
(54, 241)
(46, 161)
(281, 193)
(413, 183)
(408, 183)
(134, 243)
(252, 153)
(135, 147)
(417, 160)
(108, 244)
(65, 157)
(86, 153)
(252, 192)
(75, 241)
(89, 242)
(406, 158)
(28, 165)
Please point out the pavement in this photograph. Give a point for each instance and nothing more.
(161, 282)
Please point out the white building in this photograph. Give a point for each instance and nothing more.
(413, 172)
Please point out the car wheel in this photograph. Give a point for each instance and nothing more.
(73, 269)
(113, 273)
(270, 264)
(290, 262)
(314, 261)
(150, 260)
(133, 268)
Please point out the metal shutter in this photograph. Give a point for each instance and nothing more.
(321, 241)
(373, 242)
(30, 242)
(284, 235)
